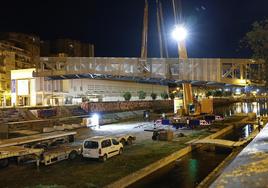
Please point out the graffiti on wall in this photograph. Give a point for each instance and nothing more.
(125, 105)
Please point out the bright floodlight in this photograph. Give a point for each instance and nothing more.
(179, 33)
(95, 120)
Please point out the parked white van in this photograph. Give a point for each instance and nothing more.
(102, 148)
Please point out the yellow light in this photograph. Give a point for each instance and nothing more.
(242, 81)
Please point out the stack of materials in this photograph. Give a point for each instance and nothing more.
(166, 135)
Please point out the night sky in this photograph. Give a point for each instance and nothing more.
(115, 26)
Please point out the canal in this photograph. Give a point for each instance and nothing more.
(190, 170)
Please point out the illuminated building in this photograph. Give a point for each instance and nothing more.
(17, 51)
(31, 91)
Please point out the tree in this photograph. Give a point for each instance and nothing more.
(141, 94)
(127, 96)
(257, 41)
(164, 95)
(153, 95)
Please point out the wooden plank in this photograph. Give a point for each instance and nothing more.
(219, 142)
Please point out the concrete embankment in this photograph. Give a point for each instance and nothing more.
(217, 171)
(249, 168)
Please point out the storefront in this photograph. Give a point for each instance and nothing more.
(23, 88)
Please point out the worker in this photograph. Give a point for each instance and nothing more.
(260, 124)
(147, 116)
(144, 114)
(188, 122)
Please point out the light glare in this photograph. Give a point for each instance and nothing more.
(95, 120)
(179, 33)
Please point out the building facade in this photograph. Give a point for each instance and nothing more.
(66, 47)
(28, 44)
(17, 51)
(31, 91)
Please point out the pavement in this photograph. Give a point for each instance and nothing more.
(250, 168)
(135, 128)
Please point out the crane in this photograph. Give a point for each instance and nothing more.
(142, 65)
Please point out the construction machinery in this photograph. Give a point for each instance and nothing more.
(189, 106)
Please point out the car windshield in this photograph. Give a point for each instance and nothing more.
(91, 145)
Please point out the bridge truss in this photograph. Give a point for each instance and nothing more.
(240, 72)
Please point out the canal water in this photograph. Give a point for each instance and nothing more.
(190, 170)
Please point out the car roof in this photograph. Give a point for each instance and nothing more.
(97, 138)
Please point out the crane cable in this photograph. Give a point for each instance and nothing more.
(177, 7)
(159, 28)
(163, 28)
(145, 32)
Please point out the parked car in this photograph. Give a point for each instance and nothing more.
(219, 118)
(101, 148)
(125, 139)
(204, 123)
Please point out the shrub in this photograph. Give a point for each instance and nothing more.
(217, 93)
(153, 95)
(141, 94)
(127, 96)
(164, 95)
(209, 93)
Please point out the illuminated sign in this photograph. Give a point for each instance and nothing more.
(23, 87)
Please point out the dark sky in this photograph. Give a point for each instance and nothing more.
(115, 26)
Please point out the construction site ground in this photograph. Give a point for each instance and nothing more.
(92, 173)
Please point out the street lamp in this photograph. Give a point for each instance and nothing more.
(179, 33)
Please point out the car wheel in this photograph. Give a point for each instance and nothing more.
(72, 155)
(120, 151)
(4, 163)
(104, 158)
(129, 141)
(123, 142)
